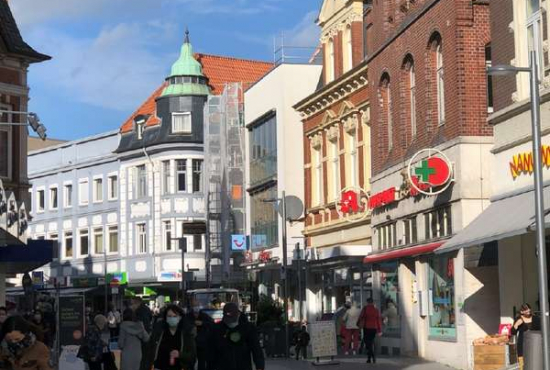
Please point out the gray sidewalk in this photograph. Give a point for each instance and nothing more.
(356, 363)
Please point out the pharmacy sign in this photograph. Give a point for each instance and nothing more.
(430, 172)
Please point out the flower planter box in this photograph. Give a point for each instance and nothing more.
(488, 357)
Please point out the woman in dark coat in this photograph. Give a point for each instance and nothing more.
(172, 344)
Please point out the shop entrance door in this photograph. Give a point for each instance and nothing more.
(410, 309)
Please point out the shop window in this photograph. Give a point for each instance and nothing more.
(411, 232)
(389, 296)
(387, 236)
(442, 293)
(438, 223)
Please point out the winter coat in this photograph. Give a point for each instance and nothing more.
(188, 350)
(351, 317)
(132, 335)
(232, 349)
(36, 357)
(370, 318)
(94, 345)
(144, 314)
(204, 330)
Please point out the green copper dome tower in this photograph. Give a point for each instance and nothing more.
(186, 76)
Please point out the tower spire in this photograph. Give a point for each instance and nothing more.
(187, 36)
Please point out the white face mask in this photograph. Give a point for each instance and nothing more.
(173, 321)
(233, 325)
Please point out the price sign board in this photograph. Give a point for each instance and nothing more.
(323, 339)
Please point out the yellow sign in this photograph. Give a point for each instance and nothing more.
(522, 163)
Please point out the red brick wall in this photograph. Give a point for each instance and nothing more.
(463, 27)
(503, 51)
(10, 76)
(357, 42)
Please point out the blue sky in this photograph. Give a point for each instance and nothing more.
(109, 55)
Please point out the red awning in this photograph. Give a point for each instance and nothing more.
(404, 252)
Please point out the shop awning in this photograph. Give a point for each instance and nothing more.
(402, 252)
(504, 218)
(16, 259)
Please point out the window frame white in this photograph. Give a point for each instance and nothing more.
(40, 190)
(9, 148)
(141, 188)
(353, 155)
(140, 128)
(438, 223)
(195, 238)
(387, 235)
(330, 61)
(56, 239)
(53, 190)
(197, 174)
(85, 230)
(184, 130)
(81, 200)
(335, 166)
(167, 243)
(440, 84)
(178, 172)
(166, 177)
(112, 184)
(141, 238)
(348, 48)
(319, 176)
(412, 98)
(95, 193)
(95, 233)
(111, 229)
(68, 198)
(65, 237)
(389, 116)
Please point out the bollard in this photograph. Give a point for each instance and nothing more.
(532, 350)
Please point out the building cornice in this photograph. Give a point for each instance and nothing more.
(334, 92)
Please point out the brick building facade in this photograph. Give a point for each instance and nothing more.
(337, 162)
(429, 104)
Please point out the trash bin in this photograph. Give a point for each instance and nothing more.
(532, 350)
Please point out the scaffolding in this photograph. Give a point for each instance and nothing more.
(224, 140)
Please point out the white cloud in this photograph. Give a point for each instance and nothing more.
(305, 33)
(117, 69)
(31, 12)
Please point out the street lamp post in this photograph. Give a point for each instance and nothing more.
(533, 71)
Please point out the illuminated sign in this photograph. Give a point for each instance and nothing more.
(238, 242)
(522, 163)
(430, 172)
(383, 198)
(353, 204)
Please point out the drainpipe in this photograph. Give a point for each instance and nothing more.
(152, 211)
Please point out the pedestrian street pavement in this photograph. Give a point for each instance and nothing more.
(358, 362)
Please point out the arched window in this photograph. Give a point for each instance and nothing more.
(386, 112)
(409, 78)
(440, 84)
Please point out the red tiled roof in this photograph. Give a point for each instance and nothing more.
(219, 70)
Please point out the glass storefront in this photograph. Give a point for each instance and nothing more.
(389, 298)
(442, 291)
(264, 219)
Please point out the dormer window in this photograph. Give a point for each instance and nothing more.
(181, 123)
(140, 125)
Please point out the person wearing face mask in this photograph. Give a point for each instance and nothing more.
(19, 349)
(204, 324)
(43, 327)
(172, 344)
(234, 343)
(132, 336)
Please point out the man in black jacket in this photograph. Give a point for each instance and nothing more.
(234, 343)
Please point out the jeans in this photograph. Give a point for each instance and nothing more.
(370, 335)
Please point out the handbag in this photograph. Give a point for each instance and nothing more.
(83, 353)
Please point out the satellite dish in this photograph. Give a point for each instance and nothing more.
(294, 208)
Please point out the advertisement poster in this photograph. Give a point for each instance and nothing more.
(71, 331)
(323, 339)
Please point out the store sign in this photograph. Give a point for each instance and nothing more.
(84, 282)
(38, 279)
(353, 204)
(238, 242)
(383, 198)
(430, 172)
(523, 163)
(259, 241)
(117, 278)
(168, 276)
